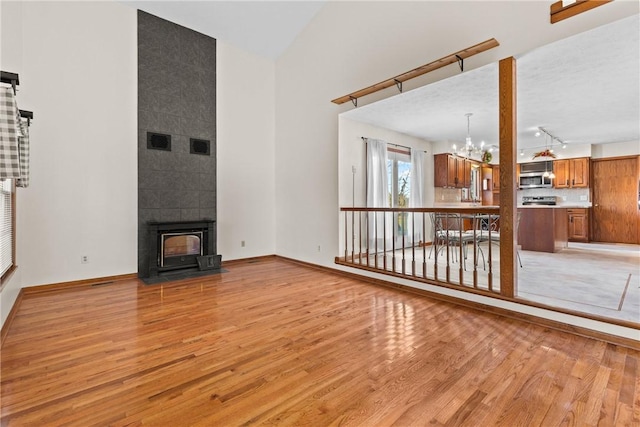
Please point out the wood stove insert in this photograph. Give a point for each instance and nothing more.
(183, 245)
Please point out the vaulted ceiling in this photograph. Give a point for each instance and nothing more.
(265, 28)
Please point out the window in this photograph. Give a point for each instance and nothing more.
(7, 226)
(399, 173)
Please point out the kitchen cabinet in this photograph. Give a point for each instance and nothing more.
(578, 224)
(543, 229)
(466, 172)
(451, 171)
(571, 173)
(486, 173)
(495, 172)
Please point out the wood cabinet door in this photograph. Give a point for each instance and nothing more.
(615, 215)
(495, 171)
(466, 173)
(561, 171)
(487, 185)
(440, 170)
(578, 225)
(579, 170)
(452, 171)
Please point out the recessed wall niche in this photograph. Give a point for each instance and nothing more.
(200, 146)
(176, 98)
(158, 141)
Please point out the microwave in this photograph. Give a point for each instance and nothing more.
(534, 180)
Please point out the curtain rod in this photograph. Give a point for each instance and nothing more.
(10, 78)
(364, 139)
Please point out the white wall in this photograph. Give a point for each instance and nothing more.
(351, 45)
(78, 71)
(617, 149)
(245, 144)
(77, 66)
(352, 153)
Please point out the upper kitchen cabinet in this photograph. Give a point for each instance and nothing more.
(495, 175)
(571, 173)
(451, 171)
(491, 191)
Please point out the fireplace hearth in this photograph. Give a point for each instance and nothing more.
(175, 247)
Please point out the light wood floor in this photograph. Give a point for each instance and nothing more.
(276, 343)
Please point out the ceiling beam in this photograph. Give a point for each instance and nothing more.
(560, 12)
(439, 63)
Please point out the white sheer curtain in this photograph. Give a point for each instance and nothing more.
(416, 196)
(377, 192)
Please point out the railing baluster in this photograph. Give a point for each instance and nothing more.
(360, 237)
(353, 237)
(474, 227)
(370, 238)
(393, 244)
(413, 243)
(375, 240)
(424, 247)
(447, 247)
(403, 230)
(436, 247)
(463, 246)
(346, 239)
(490, 275)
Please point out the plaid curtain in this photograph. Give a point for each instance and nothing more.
(23, 152)
(9, 132)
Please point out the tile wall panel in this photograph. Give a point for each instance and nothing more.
(176, 96)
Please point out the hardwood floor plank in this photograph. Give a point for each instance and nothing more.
(276, 343)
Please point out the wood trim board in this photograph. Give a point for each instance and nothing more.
(558, 12)
(423, 69)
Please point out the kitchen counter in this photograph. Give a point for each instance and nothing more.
(543, 228)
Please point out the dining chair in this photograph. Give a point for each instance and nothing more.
(489, 226)
(449, 234)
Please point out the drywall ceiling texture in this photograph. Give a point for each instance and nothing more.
(351, 45)
(583, 89)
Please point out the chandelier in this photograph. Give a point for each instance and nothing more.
(469, 147)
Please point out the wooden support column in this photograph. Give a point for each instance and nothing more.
(508, 150)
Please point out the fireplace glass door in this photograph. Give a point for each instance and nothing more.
(180, 248)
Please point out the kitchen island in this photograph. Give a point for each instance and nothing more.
(543, 228)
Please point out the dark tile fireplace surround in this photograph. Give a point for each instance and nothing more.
(176, 144)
